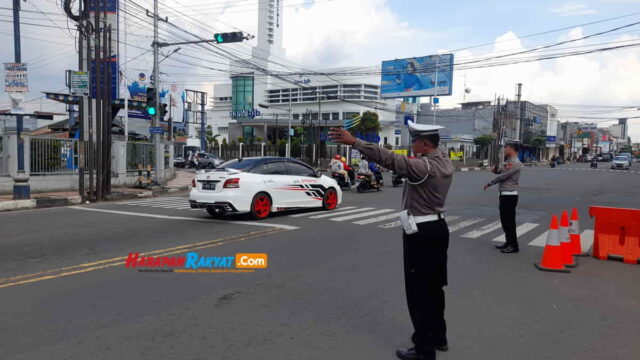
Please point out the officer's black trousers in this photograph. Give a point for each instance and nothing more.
(425, 273)
(508, 205)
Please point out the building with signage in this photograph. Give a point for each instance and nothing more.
(257, 105)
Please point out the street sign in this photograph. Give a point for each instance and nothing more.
(15, 77)
(80, 83)
(156, 130)
(551, 139)
(436, 100)
(407, 118)
(397, 132)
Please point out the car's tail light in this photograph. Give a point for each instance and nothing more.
(193, 182)
(233, 183)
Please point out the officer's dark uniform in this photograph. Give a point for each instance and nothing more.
(425, 252)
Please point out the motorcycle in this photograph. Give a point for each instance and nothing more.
(364, 183)
(340, 179)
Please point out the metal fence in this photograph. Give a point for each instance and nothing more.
(140, 155)
(53, 156)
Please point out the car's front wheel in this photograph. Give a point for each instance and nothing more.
(260, 206)
(330, 200)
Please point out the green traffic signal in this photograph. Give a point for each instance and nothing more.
(219, 38)
(151, 110)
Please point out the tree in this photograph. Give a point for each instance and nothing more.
(484, 141)
(539, 142)
(240, 140)
(210, 138)
(224, 141)
(369, 124)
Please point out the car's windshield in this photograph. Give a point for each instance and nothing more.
(240, 164)
(620, 158)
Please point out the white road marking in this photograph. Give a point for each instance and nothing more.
(140, 201)
(541, 240)
(377, 219)
(464, 224)
(370, 213)
(179, 207)
(320, 212)
(155, 216)
(520, 230)
(390, 225)
(483, 230)
(586, 240)
(340, 213)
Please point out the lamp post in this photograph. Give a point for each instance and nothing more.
(288, 153)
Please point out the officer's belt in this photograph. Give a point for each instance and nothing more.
(427, 218)
(508, 192)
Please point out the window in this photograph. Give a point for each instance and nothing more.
(296, 116)
(397, 141)
(385, 140)
(351, 115)
(335, 116)
(241, 164)
(242, 92)
(273, 168)
(297, 169)
(326, 116)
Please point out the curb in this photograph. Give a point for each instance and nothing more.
(12, 205)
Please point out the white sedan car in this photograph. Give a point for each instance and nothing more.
(263, 185)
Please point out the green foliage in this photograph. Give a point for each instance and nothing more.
(370, 124)
(539, 141)
(259, 139)
(484, 140)
(224, 141)
(296, 148)
(233, 142)
(240, 139)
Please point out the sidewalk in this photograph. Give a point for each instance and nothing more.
(65, 198)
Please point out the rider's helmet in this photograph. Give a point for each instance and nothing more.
(337, 157)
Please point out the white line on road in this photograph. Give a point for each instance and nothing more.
(464, 224)
(541, 240)
(320, 212)
(377, 219)
(483, 230)
(397, 223)
(341, 213)
(370, 213)
(153, 200)
(520, 230)
(279, 226)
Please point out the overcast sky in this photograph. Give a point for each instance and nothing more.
(328, 33)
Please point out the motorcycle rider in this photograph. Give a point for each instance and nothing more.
(348, 169)
(365, 170)
(337, 167)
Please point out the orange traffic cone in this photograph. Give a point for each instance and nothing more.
(565, 243)
(552, 256)
(574, 234)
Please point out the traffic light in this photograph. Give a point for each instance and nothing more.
(163, 111)
(151, 102)
(230, 37)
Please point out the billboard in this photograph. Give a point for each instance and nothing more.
(15, 77)
(417, 76)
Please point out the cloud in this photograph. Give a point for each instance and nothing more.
(572, 8)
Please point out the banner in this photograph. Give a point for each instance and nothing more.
(456, 155)
(15, 77)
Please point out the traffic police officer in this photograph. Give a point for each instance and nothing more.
(429, 177)
(508, 178)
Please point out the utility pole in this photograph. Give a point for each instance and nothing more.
(435, 90)
(156, 83)
(21, 187)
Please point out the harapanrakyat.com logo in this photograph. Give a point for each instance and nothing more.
(192, 262)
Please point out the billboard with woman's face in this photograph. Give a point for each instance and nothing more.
(417, 76)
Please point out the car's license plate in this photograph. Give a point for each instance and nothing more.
(208, 186)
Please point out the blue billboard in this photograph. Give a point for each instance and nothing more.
(417, 76)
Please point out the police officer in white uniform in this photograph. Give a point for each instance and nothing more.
(429, 177)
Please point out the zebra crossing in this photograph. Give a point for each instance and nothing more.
(470, 228)
(176, 202)
(474, 228)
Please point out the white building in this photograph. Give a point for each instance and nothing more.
(255, 105)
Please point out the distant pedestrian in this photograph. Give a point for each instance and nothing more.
(509, 176)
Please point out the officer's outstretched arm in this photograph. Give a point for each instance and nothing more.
(413, 169)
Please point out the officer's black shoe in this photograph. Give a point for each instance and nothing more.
(442, 347)
(411, 354)
(509, 250)
(501, 247)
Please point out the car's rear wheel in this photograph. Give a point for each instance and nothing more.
(260, 206)
(330, 200)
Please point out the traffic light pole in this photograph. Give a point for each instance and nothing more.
(156, 84)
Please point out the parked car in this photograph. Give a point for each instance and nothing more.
(179, 162)
(263, 185)
(207, 161)
(599, 158)
(134, 136)
(621, 162)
